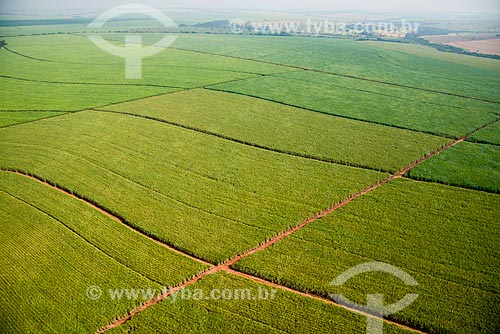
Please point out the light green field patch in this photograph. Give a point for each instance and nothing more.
(146, 257)
(47, 269)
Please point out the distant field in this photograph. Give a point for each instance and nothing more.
(425, 51)
(454, 38)
(487, 46)
(447, 238)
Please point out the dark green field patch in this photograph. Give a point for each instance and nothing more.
(363, 105)
(468, 165)
(488, 135)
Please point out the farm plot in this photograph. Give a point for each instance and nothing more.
(288, 129)
(191, 190)
(428, 52)
(286, 312)
(363, 61)
(469, 165)
(10, 118)
(336, 96)
(47, 269)
(446, 238)
(347, 57)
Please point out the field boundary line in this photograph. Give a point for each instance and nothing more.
(247, 143)
(226, 266)
(481, 142)
(90, 83)
(106, 213)
(62, 113)
(25, 56)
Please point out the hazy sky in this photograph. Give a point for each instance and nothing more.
(488, 6)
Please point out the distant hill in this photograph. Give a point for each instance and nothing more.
(214, 24)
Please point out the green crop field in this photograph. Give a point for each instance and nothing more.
(285, 312)
(243, 163)
(47, 266)
(447, 238)
(469, 165)
(368, 102)
(489, 135)
(152, 164)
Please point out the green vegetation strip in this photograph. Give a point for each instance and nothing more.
(469, 165)
(288, 130)
(363, 105)
(12, 118)
(285, 313)
(445, 237)
(192, 191)
(47, 268)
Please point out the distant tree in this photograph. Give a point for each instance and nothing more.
(2, 44)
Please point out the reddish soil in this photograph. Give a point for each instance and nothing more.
(487, 46)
